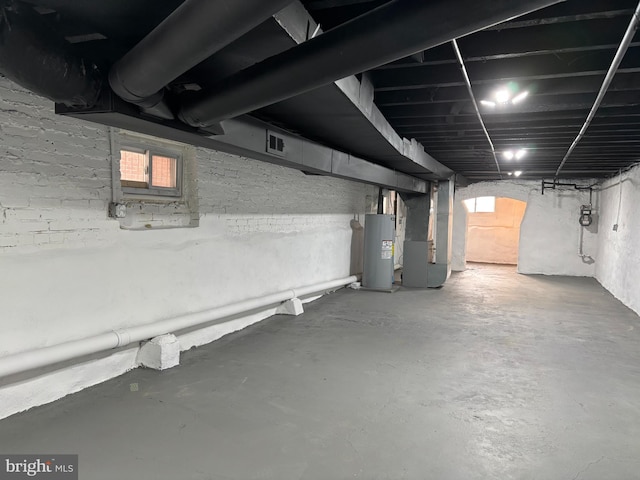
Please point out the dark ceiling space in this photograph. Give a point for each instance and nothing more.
(558, 55)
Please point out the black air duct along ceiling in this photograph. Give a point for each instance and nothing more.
(34, 56)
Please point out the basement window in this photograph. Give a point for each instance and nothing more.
(150, 172)
(481, 205)
(154, 182)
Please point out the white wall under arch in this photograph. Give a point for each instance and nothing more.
(549, 233)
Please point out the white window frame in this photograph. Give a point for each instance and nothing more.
(150, 151)
(474, 209)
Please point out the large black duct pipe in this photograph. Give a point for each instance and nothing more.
(390, 32)
(193, 32)
(35, 57)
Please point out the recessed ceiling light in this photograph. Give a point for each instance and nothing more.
(487, 103)
(520, 153)
(521, 96)
(517, 173)
(508, 154)
(503, 95)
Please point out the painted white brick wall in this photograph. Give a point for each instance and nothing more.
(619, 250)
(231, 185)
(68, 271)
(55, 184)
(52, 176)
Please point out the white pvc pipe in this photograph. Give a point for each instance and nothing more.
(320, 287)
(42, 357)
(21, 362)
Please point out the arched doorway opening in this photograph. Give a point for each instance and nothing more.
(493, 229)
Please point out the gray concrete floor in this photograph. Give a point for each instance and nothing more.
(495, 376)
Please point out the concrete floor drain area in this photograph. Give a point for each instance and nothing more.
(495, 376)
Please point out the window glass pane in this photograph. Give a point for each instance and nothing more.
(164, 172)
(471, 205)
(133, 166)
(486, 204)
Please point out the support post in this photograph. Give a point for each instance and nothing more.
(416, 249)
(440, 271)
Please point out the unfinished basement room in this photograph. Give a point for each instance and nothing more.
(319, 239)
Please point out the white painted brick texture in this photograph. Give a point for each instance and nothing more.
(54, 176)
(55, 185)
(70, 271)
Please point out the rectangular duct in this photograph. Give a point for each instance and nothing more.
(246, 137)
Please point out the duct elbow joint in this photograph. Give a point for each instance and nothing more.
(155, 105)
(186, 116)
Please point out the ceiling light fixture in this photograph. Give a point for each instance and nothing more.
(508, 154)
(503, 95)
(506, 95)
(517, 173)
(521, 96)
(520, 153)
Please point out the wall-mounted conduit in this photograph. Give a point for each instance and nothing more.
(617, 59)
(467, 81)
(555, 184)
(586, 211)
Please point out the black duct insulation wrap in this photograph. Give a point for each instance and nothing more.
(193, 32)
(34, 56)
(392, 31)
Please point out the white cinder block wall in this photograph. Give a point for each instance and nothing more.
(68, 271)
(619, 251)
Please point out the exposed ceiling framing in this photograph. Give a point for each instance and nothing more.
(559, 54)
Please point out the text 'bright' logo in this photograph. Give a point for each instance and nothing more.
(30, 468)
(51, 467)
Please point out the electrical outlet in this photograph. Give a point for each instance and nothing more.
(615, 227)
